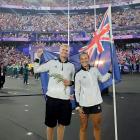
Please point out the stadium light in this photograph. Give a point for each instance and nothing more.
(99, 62)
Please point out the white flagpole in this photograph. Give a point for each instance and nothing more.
(95, 15)
(113, 80)
(68, 23)
(95, 28)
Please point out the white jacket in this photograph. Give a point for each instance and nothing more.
(87, 91)
(57, 89)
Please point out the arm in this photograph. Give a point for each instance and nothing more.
(77, 96)
(77, 90)
(41, 68)
(102, 78)
(73, 74)
(71, 82)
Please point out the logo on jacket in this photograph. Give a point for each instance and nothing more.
(84, 77)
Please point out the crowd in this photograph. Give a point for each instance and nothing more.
(13, 59)
(129, 58)
(58, 23)
(10, 55)
(62, 3)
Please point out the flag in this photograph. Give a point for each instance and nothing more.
(102, 34)
(100, 50)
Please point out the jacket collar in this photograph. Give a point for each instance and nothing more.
(85, 69)
(63, 62)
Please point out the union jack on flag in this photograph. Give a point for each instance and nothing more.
(102, 34)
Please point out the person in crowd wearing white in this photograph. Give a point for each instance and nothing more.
(88, 96)
(58, 105)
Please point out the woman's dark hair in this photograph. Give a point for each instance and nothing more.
(83, 53)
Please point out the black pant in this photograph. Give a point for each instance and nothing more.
(2, 81)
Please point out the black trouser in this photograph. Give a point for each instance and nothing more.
(2, 81)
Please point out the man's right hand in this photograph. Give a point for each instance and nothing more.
(39, 52)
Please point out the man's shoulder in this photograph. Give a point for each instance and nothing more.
(71, 64)
(51, 61)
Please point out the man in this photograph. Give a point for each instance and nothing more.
(25, 74)
(88, 96)
(58, 106)
(2, 75)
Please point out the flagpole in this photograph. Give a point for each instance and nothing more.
(113, 79)
(95, 28)
(68, 23)
(95, 15)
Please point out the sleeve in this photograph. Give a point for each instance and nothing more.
(72, 76)
(77, 90)
(42, 68)
(73, 73)
(102, 78)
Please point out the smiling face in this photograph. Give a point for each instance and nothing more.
(84, 59)
(64, 51)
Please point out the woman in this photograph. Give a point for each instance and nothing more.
(88, 96)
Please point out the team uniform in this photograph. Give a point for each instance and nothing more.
(87, 91)
(58, 106)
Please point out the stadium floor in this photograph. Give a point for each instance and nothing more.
(22, 112)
